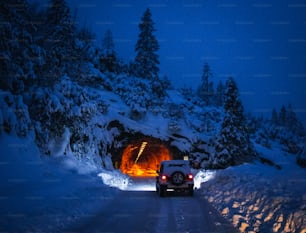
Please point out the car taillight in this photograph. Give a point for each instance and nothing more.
(190, 176)
(163, 177)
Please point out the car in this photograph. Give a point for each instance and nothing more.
(174, 175)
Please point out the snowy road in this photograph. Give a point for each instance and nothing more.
(145, 211)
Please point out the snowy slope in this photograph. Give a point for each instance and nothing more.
(42, 194)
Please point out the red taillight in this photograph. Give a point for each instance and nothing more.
(163, 177)
(190, 176)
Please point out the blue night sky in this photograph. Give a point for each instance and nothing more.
(261, 43)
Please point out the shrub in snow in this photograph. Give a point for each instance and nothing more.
(66, 105)
(174, 126)
(262, 138)
(136, 113)
(209, 117)
(135, 92)
(267, 131)
(14, 114)
(175, 110)
(301, 158)
(46, 108)
(158, 91)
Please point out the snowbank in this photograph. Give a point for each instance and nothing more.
(203, 176)
(115, 178)
(261, 198)
(41, 194)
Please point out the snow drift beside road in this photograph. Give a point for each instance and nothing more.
(115, 179)
(41, 194)
(259, 197)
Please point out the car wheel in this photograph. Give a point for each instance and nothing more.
(177, 178)
(162, 191)
(190, 191)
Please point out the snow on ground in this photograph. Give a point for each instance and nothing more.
(41, 194)
(115, 179)
(259, 197)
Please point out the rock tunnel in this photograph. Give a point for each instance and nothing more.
(142, 155)
(143, 159)
(139, 154)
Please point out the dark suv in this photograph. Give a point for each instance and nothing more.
(174, 175)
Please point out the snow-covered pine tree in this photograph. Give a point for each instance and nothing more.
(301, 157)
(59, 38)
(274, 117)
(233, 144)
(283, 116)
(17, 48)
(293, 123)
(108, 60)
(146, 60)
(219, 95)
(108, 46)
(85, 47)
(166, 83)
(205, 90)
(9, 47)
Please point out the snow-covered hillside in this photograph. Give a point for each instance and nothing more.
(44, 194)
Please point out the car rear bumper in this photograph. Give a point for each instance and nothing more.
(178, 187)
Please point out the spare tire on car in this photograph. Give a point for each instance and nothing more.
(177, 178)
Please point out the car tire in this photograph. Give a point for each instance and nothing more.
(177, 178)
(191, 192)
(162, 191)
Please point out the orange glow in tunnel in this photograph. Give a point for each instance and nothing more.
(143, 159)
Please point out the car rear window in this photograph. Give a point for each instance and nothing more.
(177, 165)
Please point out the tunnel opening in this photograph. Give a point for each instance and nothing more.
(143, 158)
(136, 154)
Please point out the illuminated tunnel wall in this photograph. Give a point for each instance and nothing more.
(139, 155)
(143, 158)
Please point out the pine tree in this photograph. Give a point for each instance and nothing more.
(233, 144)
(59, 38)
(9, 46)
(219, 95)
(291, 119)
(293, 123)
(283, 116)
(146, 60)
(108, 60)
(85, 47)
(166, 83)
(17, 46)
(274, 117)
(108, 46)
(205, 91)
